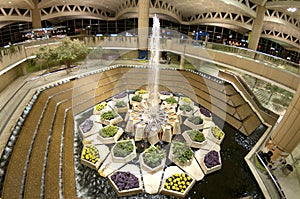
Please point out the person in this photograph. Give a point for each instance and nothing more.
(266, 157)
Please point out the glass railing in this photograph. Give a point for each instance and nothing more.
(132, 42)
(274, 189)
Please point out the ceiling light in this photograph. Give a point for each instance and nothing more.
(291, 9)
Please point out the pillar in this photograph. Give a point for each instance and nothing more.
(286, 136)
(143, 24)
(257, 27)
(182, 61)
(36, 16)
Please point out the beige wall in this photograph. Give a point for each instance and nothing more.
(10, 76)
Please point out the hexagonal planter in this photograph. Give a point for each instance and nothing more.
(167, 103)
(120, 97)
(130, 184)
(154, 157)
(174, 172)
(205, 114)
(193, 123)
(89, 154)
(121, 106)
(120, 153)
(143, 93)
(185, 100)
(206, 169)
(100, 108)
(89, 127)
(110, 140)
(216, 135)
(191, 142)
(183, 153)
(110, 117)
(164, 94)
(132, 101)
(185, 109)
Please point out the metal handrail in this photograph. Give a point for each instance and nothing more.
(278, 187)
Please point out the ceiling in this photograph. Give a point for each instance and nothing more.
(183, 11)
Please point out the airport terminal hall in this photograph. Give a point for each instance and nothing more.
(150, 99)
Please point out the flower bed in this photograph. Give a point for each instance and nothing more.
(135, 99)
(185, 100)
(99, 108)
(125, 183)
(90, 156)
(176, 184)
(121, 106)
(164, 94)
(123, 151)
(152, 159)
(109, 134)
(194, 138)
(205, 114)
(216, 134)
(121, 97)
(180, 153)
(194, 122)
(110, 117)
(185, 109)
(212, 162)
(88, 127)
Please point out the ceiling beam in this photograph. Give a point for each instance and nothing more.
(30, 4)
(260, 2)
(282, 4)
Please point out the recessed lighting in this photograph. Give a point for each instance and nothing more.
(291, 9)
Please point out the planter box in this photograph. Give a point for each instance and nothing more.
(213, 138)
(144, 96)
(127, 158)
(165, 105)
(162, 97)
(95, 128)
(169, 172)
(181, 101)
(112, 121)
(125, 99)
(131, 101)
(133, 191)
(122, 109)
(149, 169)
(205, 169)
(175, 161)
(88, 163)
(192, 125)
(107, 108)
(192, 143)
(110, 140)
(185, 113)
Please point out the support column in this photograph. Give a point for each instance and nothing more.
(286, 136)
(143, 24)
(257, 27)
(36, 16)
(182, 61)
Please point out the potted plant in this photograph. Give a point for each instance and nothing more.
(153, 159)
(169, 102)
(121, 97)
(164, 94)
(143, 93)
(99, 108)
(185, 100)
(185, 109)
(212, 162)
(90, 156)
(125, 183)
(109, 134)
(205, 114)
(135, 99)
(195, 138)
(178, 185)
(216, 135)
(194, 122)
(86, 128)
(123, 151)
(121, 106)
(181, 153)
(110, 117)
